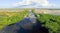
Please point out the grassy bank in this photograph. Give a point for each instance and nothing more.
(7, 18)
(51, 22)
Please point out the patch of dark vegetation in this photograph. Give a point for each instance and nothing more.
(53, 20)
(11, 24)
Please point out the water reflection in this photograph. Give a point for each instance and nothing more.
(22, 26)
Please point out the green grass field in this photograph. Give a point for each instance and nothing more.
(51, 22)
(7, 18)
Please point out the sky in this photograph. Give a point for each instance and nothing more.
(30, 3)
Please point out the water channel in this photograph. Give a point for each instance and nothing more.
(27, 25)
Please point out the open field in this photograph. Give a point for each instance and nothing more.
(48, 11)
(37, 10)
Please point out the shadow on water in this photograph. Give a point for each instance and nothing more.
(35, 29)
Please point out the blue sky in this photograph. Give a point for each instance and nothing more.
(30, 3)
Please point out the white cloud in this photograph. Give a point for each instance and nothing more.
(43, 3)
